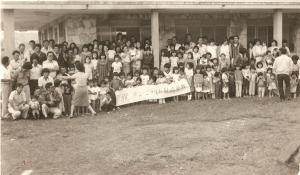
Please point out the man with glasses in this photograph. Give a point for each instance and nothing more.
(51, 64)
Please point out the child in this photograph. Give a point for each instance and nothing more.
(94, 63)
(215, 65)
(59, 90)
(152, 81)
(212, 48)
(210, 74)
(161, 80)
(126, 60)
(115, 84)
(136, 75)
(174, 60)
(205, 86)
(138, 82)
(103, 90)
(268, 57)
(122, 77)
(155, 72)
(264, 48)
(225, 82)
(260, 68)
(246, 75)
(96, 89)
(198, 82)
(103, 67)
(92, 94)
(252, 62)
(181, 60)
(182, 76)
(67, 97)
(148, 60)
(175, 78)
(272, 84)
(223, 62)
(35, 107)
(196, 54)
(217, 82)
(145, 77)
(107, 103)
(117, 65)
(72, 70)
(167, 72)
(190, 59)
(231, 83)
(261, 83)
(294, 83)
(164, 59)
(88, 68)
(189, 73)
(130, 81)
(252, 79)
(203, 60)
(238, 75)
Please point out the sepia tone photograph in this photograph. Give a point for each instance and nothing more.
(149, 87)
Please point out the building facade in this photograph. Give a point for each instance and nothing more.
(83, 21)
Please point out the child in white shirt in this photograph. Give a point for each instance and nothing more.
(145, 77)
(35, 107)
(117, 65)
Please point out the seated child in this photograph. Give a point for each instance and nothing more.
(35, 107)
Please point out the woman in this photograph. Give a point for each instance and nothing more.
(257, 52)
(81, 94)
(119, 39)
(224, 48)
(85, 52)
(76, 55)
(72, 45)
(273, 46)
(100, 48)
(139, 57)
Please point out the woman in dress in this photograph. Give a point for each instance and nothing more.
(81, 97)
(224, 48)
(257, 52)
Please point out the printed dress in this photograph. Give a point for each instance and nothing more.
(198, 82)
(102, 69)
(205, 86)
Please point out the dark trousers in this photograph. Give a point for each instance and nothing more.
(33, 84)
(286, 79)
(231, 90)
(108, 107)
(218, 89)
(67, 103)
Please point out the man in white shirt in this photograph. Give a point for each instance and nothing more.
(51, 44)
(42, 81)
(30, 51)
(46, 47)
(17, 103)
(189, 40)
(202, 47)
(174, 41)
(283, 67)
(22, 52)
(285, 45)
(51, 64)
(5, 84)
(35, 74)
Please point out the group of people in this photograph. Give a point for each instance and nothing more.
(58, 79)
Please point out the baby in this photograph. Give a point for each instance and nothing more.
(35, 107)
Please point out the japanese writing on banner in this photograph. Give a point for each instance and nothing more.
(141, 93)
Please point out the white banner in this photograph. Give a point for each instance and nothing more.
(141, 93)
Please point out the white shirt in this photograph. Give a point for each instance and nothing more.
(42, 81)
(47, 50)
(202, 49)
(50, 65)
(283, 65)
(189, 72)
(94, 63)
(177, 46)
(4, 73)
(225, 50)
(174, 61)
(212, 50)
(35, 72)
(111, 54)
(225, 77)
(117, 66)
(145, 79)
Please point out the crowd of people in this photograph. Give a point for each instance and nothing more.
(63, 80)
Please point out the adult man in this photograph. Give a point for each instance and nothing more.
(59, 57)
(285, 45)
(49, 100)
(35, 73)
(51, 64)
(235, 48)
(283, 66)
(30, 51)
(189, 40)
(42, 81)
(202, 47)
(22, 53)
(17, 103)
(205, 40)
(22, 76)
(169, 44)
(5, 84)
(51, 44)
(250, 50)
(41, 56)
(241, 58)
(46, 47)
(174, 41)
(15, 64)
(63, 72)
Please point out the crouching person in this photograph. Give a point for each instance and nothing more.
(17, 106)
(49, 100)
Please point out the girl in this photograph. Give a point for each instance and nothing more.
(196, 55)
(119, 39)
(126, 60)
(210, 75)
(117, 66)
(105, 51)
(189, 72)
(102, 68)
(152, 81)
(102, 92)
(111, 53)
(257, 51)
(294, 83)
(264, 48)
(260, 68)
(181, 60)
(139, 57)
(272, 84)
(204, 61)
(100, 48)
(130, 81)
(118, 50)
(252, 79)
(164, 59)
(167, 73)
(92, 94)
(85, 52)
(175, 79)
(215, 65)
(217, 83)
(174, 60)
(161, 80)
(138, 82)
(261, 83)
(97, 99)
(246, 78)
(59, 90)
(273, 46)
(205, 86)
(225, 83)
(198, 81)
(238, 76)
(212, 48)
(94, 63)
(89, 68)
(182, 76)
(190, 59)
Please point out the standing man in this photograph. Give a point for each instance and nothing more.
(35, 73)
(15, 64)
(30, 51)
(189, 40)
(22, 53)
(174, 41)
(42, 81)
(46, 47)
(51, 44)
(202, 47)
(51, 64)
(41, 56)
(22, 77)
(235, 49)
(58, 56)
(283, 67)
(5, 84)
(17, 103)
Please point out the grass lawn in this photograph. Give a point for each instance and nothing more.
(240, 136)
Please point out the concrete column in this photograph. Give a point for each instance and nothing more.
(9, 32)
(277, 26)
(155, 36)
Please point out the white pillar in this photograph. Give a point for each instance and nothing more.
(155, 36)
(9, 32)
(277, 26)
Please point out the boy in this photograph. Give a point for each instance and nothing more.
(225, 82)
(148, 60)
(117, 65)
(231, 83)
(122, 77)
(155, 72)
(145, 77)
(167, 73)
(107, 103)
(72, 70)
(63, 72)
(261, 83)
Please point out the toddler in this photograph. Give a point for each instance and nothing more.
(246, 76)
(272, 84)
(35, 107)
(198, 82)
(261, 83)
(161, 80)
(205, 86)
(225, 83)
(217, 82)
(145, 77)
(294, 83)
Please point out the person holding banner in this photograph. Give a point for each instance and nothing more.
(189, 72)
(161, 80)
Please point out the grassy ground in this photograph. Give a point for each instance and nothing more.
(240, 136)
